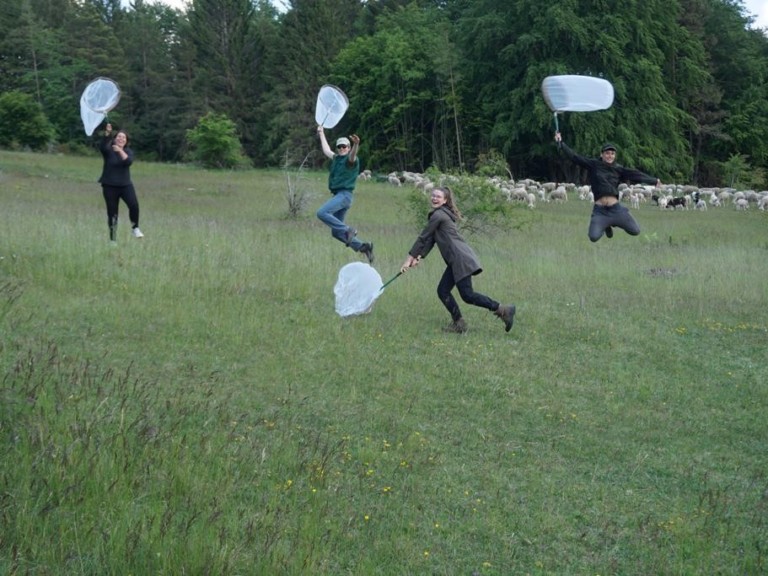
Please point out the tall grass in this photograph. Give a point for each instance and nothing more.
(190, 403)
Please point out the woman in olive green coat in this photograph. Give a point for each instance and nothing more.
(461, 262)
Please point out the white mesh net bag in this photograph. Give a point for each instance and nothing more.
(357, 288)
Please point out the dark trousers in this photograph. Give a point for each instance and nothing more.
(466, 292)
(605, 216)
(112, 197)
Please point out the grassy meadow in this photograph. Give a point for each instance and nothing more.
(190, 403)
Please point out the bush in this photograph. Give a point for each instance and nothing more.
(23, 123)
(214, 143)
(493, 164)
(483, 206)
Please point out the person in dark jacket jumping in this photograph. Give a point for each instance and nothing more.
(342, 177)
(461, 262)
(116, 181)
(604, 178)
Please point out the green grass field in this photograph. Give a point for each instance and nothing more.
(190, 403)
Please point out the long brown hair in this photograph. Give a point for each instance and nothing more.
(450, 201)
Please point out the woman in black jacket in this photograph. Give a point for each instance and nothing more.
(116, 181)
(461, 262)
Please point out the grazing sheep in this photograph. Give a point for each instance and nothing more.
(393, 179)
(634, 199)
(365, 175)
(762, 203)
(742, 204)
(548, 186)
(531, 199)
(558, 194)
(701, 204)
(411, 177)
(724, 196)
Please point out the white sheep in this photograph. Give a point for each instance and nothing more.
(742, 204)
(559, 194)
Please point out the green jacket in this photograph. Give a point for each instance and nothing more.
(342, 176)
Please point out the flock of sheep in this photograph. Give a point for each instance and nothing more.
(668, 196)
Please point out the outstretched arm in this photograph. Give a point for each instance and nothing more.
(570, 154)
(637, 177)
(324, 142)
(410, 262)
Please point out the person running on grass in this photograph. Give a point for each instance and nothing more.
(604, 177)
(342, 177)
(116, 181)
(461, 262)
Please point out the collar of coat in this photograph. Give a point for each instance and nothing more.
(447, 210)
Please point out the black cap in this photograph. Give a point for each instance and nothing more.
(608, 146)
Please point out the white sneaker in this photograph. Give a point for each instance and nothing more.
(137, 233)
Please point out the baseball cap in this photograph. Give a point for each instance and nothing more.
(342, 140)
(608, 146)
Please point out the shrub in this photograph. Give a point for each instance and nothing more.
(493, 164)
(214, 143)
(483, 206)
(297, 193)
(23, 122)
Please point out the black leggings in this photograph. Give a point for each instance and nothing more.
(112, 197)
(465, 291)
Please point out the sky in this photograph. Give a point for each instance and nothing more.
(758, 8)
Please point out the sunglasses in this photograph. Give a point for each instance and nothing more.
(342, 146)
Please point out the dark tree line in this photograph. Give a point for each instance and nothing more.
(430, 82)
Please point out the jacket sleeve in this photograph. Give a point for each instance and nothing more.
(637, 177)
(426, 240)
(104, 145)
(573, 157)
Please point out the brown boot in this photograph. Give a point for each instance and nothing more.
(457, 327)
(507, 315)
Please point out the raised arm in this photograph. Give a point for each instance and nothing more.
(355, 147)
(324, 142)
(570, 154)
